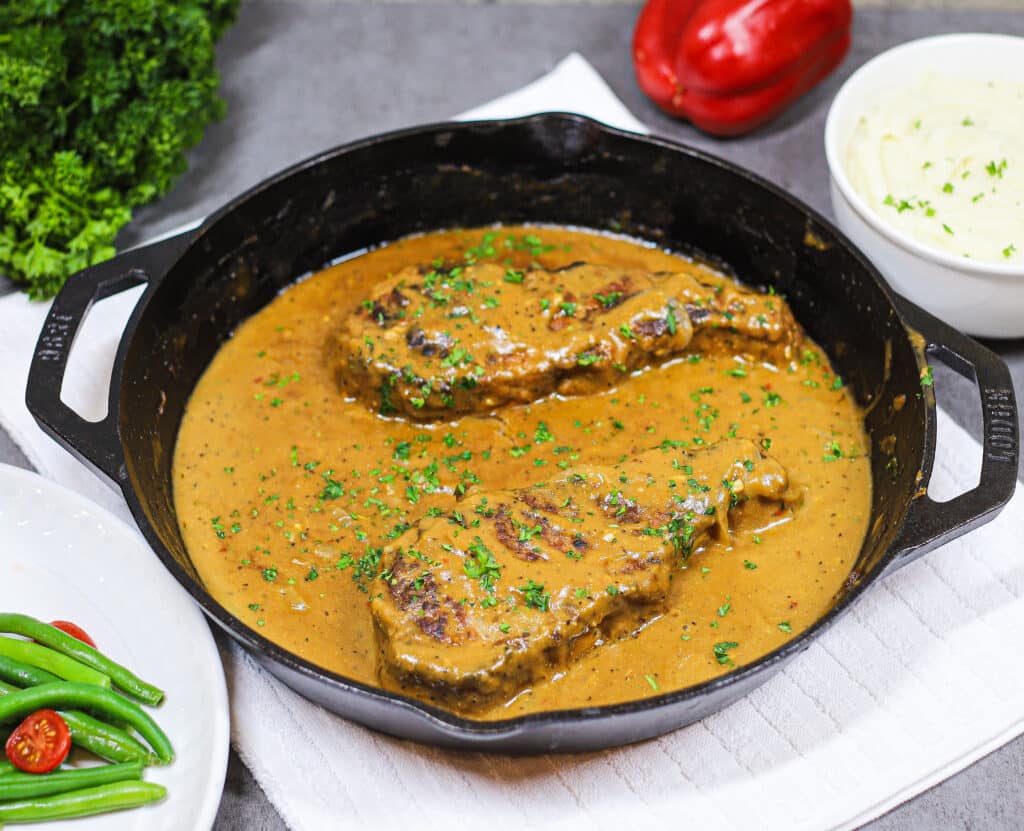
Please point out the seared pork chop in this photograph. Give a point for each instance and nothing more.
(434, 343)
(510, 585)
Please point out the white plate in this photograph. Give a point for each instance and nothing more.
(62, 557)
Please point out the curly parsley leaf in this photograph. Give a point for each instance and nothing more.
(99, 101)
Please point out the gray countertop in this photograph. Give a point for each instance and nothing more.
(303, 76)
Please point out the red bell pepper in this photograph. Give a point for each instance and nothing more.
(729, 66)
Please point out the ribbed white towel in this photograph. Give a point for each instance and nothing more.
(919, 680)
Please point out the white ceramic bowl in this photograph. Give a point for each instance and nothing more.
(980, 298)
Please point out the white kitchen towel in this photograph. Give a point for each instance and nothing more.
(922, 678)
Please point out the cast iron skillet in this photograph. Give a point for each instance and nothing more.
(553, 168)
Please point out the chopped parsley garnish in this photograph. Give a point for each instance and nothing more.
(721, 652)
(456, 357)
(996, 170)
(609, 300)
(901, 206)
(481, 564)
(832, 452)
(670, 319)
(535, 596)
(366, 567)
(333, 489)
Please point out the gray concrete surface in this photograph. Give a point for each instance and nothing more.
(976, 5)
(303, 76)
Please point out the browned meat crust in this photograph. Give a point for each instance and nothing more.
(481, 601)
(434, 343)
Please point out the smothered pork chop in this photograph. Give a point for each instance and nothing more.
(435, 342)
(508, 586)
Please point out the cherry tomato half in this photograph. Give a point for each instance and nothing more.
(40, 743)
(74, 630)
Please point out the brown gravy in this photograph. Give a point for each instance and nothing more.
(266, 431)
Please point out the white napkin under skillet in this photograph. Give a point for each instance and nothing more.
(922, 678)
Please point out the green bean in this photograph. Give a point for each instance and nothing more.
(105, 740)
(6, 767)
(82, 803)
(23, 675)
(52, 661)
(28, 785)
(67, 694)
(54, 638)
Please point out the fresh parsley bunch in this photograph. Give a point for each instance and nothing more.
(99, 100)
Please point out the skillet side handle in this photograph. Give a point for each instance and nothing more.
(95, 443)
(930, 524)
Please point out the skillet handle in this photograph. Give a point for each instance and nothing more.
(95, 443)
(930, 524)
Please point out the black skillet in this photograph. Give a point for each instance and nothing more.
(559, 169)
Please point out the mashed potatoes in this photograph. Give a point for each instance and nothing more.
(942, 159)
